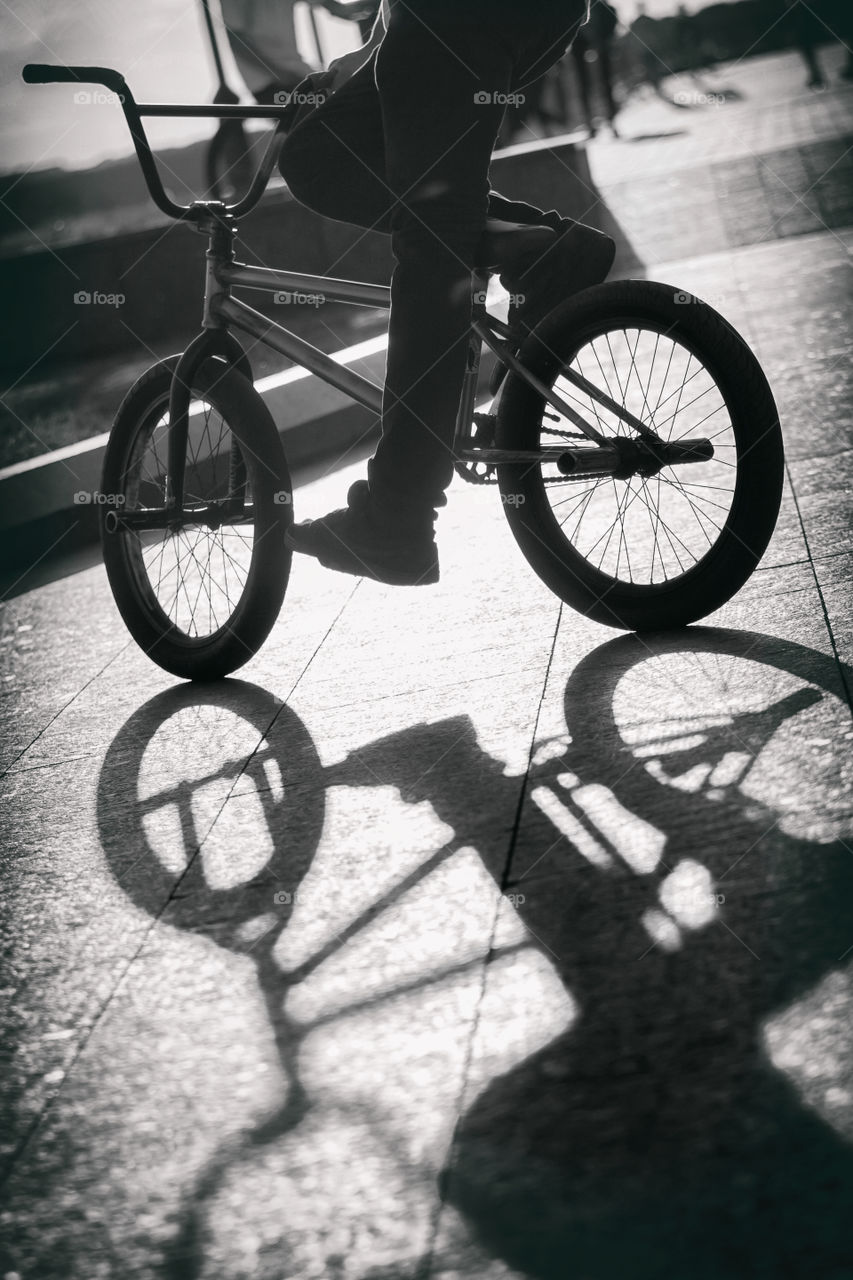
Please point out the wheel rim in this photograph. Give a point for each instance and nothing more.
(193, 579)
(643, 531)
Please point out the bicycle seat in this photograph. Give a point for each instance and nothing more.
(507, 244)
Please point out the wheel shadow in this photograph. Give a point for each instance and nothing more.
(658, 1135)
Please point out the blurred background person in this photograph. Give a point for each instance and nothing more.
(263, 40)
(262, 36)
(592, 54)
(643, 40)
(804, 36)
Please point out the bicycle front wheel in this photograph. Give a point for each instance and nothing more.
(644, 551)
(200, 595)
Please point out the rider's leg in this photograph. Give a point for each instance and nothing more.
(438, 135)
(334, 162)
(443, 80)
(438, 140)
(437, 83)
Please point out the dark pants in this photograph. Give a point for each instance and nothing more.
(404, 147)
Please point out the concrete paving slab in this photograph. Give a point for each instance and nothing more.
(54, 643)
(86, 720)
(794, 305)
(735, 886)
(824, 489)
(72, 938)
(728, 720)
(238, 1185)
(787, 546)
(773, 111)
(635, 1103)
(195, 1155)
(834, 576)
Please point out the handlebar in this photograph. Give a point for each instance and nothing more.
(45, 73)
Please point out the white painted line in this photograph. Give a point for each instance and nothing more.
(359, 351)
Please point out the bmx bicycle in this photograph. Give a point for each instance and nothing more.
(635, 442)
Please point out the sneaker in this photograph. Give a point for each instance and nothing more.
(579, 257)
(355, 539)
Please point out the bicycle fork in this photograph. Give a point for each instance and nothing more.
(214, 340)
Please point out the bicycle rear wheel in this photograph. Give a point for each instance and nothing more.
(644, 552)
(201, 595)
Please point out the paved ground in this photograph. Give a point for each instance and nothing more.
(751, 155)
(460, 936)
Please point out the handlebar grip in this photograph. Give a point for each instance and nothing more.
(45, 73)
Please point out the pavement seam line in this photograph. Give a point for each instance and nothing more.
(424, 1269)
(827, 621)
(21, 1148)
(522, 796)
(8, 768)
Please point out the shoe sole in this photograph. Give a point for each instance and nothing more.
(341, 561)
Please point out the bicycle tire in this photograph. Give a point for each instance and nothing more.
(756, 457)
(257, 560)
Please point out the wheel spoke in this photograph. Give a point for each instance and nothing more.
(197, 575)
(641, 530)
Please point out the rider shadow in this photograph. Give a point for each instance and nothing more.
(656, 1135)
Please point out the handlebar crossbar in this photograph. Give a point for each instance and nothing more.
(45, 73)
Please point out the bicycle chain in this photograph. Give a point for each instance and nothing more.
(489, 476)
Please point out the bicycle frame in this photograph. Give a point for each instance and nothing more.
(224, 313)
(223, 310)
(605, 455)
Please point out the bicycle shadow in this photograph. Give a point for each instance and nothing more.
(656, 1134)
